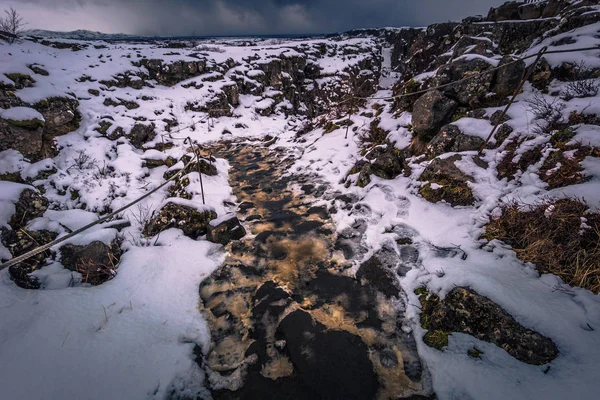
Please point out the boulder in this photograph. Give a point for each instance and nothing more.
(472, 45)
(96, 262)
(446, 182)
(28, 140)
(335, 364)
(507, 11)
(531, 10)
(141, 134)
(389, 164)
(191, 220)
(465, 311)
(507, 79)
(445, 168)
(430, 112)
(451, 139)
(61, 115)
(542, 75)
(31, 204)
(225, 229)
(472, 91)
(554, 7)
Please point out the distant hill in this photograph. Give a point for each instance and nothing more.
(80, 34)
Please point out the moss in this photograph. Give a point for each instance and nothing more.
(474, 353)
(11, 177)
(330, 127)
(436, 339)
(16, 77)
(560, 138)
(103, 128)
(411, 86)
(30, 124)
(421, 291)
(452, 192)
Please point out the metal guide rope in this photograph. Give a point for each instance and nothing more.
(45, 247)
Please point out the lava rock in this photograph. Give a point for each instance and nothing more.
(141, 134)
(19, 242)
(465, 311)
(96, 262)
(430, 112)
(334, 364)
(507, 79)
(452, 139)
(192, 221)
(30, 205)
(224, 230)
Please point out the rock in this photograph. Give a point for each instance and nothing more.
(507, 11)
(471, 92)
(379, 272)
(225, 229)
(472, 45)
(498, 117)
(26, 140)
(96, 262)
(531, 10)
(553, 8)
(38, 70)
(444, 168)
(430, 112)
(451, 139)
(465, 311)
(232, 93)
(192, 221)
(541, 75)
(507, 79)
(389, 164)
(20, 80)
(19, 242)
(61, 115)
(141, 134)
(451, 184)
(30, 205)
(333, 363)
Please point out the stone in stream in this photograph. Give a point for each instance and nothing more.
(225, 229)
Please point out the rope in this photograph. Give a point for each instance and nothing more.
(45, 247)
(487, 71)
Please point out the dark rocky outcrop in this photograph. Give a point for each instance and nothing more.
(31, 204)
(19, 242)
(451, 139)
(471, 92)
(190, 220)
(508, 78)
(225, 229)
(96, 262)
(141, 134)
(452, 184)
(465, 311)
(430, 112)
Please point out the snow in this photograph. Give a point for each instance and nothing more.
(133, 337)
(21, 114)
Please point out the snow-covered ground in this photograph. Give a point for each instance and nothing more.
(133, 336)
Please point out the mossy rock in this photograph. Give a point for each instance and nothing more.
(465, 311)
(94, 92)
(330, 127)
(104, 127)
(454, 193)
(191, 221)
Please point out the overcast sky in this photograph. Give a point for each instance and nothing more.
(236, 17)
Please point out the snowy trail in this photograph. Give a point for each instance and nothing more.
(289, 276)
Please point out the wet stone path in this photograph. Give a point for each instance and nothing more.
(286, 320)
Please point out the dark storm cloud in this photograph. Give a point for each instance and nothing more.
(233, 17)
